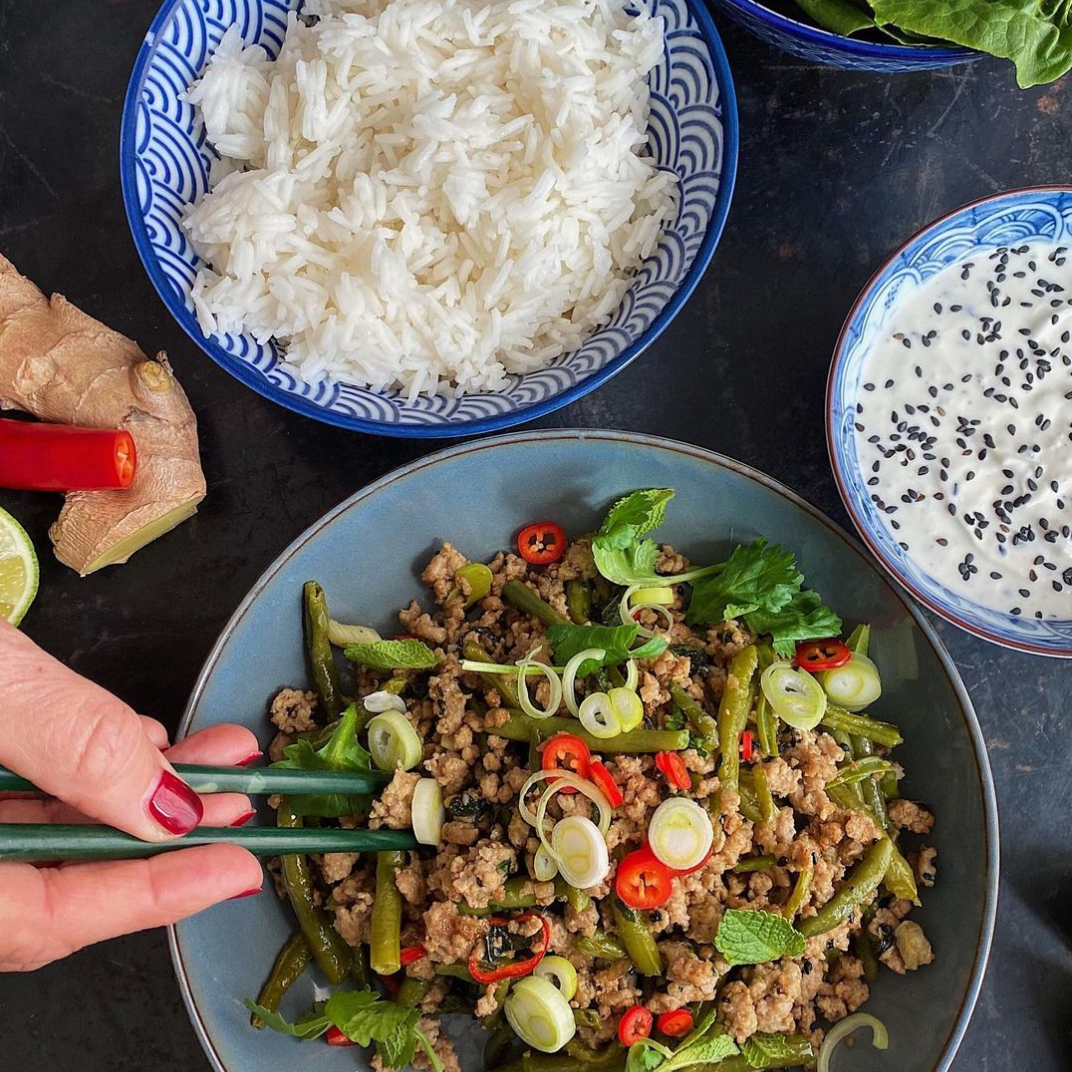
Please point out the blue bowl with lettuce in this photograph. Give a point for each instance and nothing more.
(368, 554)
(892, 36)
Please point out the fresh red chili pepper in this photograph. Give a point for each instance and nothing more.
(746, 745)
(392, 983)
(816, 655)
(335, 1037)
(55, 457)
(673, 767)
(690, 870)
(403, 636)
(411, 954)
(643, 881)
(566, 752)
(676, 1023)
(542, 543)
(519, 967)
(634, 1025)
(600, 776)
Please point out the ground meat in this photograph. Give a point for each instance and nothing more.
(440, 1043)
(738, 1010)
(913, 946)
(844, 991)
(460, 832)
(925, 865)
(352, 921)
(816, 756)
(689, 976)
(420, 624)
(335, 866)
(448, 936)
(477, 878)
(910, 816)
(446, 693)
(394, 808)
(450, 770)
(488, 1003)
(292, 710)
(410, 881)
(439, 573)
(609, 991)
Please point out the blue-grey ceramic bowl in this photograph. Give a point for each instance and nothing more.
(164, 162)
(368, 554)
(808, 41)
(1042, 213)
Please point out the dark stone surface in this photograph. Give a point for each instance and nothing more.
(836, 169)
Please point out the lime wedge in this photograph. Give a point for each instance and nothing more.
(18, 570)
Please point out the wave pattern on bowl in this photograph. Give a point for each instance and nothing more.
(166, 162)
(1044, 215)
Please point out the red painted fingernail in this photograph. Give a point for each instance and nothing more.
(244, 818)
(174, 805)
(251, 758)
(245, 893)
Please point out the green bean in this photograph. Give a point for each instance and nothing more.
(455, 971)
(289, 965)
(870, 789)
(704, 724)
(524, 599)
(318, 651)
(638, 940)
(600, 945)
(837, 718)
(587, 1018)
(747, 802)
(479, 579)
(495, 1018)
(865, 953)
(733, 714)
(612, 1059)
(412, 992)
(359, 967)
(579, 601)
(849, 798)
(498, 1046)
(764, 797)
(582, 1054)
(890, 786)
(799, 896)
(859, 884)
(519, 727)
(517, 893)
(385, 930)
(753, 863)
(766, 726)
(859, 639)
(900, 879)
(503, 684)
(578, 899)
(330, 952)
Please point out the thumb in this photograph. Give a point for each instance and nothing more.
(79, 743)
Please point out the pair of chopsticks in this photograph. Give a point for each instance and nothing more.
(44, 843)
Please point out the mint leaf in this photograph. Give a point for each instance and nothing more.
(645, 1056)
(616, 640)
(804, 618)
(746, 937)
(757, 576)
(312, 1025)
(777, 1051)
(387, 655)
(705, 1051)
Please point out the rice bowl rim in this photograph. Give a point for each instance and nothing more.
(254, 379)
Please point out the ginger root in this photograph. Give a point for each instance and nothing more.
(63, 366)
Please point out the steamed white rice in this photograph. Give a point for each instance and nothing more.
(429, 194)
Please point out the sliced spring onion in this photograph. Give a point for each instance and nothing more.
(479, 579)
(477, 667)
(537, 776)
(628, 708)
(597, 715)
(560, 973)
(680, 833)
(583, 860)
(394, 742)
(632, 675)
(880, 1037)
(341, 634)
(539, 1014)
(554, 701)
(569, 675)
(428, 811)
(591, 791)
(794, 695)
(545, 867)
(653, 597)
(378, 702)
(629, 606)
(853, 686)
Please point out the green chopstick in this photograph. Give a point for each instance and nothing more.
(42, 843)
(255, 781)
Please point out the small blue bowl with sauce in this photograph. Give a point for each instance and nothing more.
(808, 41)
(1006, 427)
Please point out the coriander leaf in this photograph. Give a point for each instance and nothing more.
(362, 1017)
(634, 516)
(645, 1056)
(804, 618)
(633, 564)
(616, 640)
(839, 16)
(757, 576)
(387, 655)
(755, 937)
(777, 1051)
(312, 1025)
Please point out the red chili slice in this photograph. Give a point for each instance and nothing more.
(600, 776)
(676, 1023)
(746, 745)
(519, 967)
(391, 983)
(816, 655)
(411, 954)
(567, 752)
(541, 543)
(673, 766)
(335, 1037)
(634, 1025)
(643, 881)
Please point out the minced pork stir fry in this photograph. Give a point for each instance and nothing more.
(662, 828)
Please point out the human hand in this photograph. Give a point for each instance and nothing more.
(101, 762)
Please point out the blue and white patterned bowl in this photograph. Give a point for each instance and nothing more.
(809, 42)
(1041, 213)
(164, 162)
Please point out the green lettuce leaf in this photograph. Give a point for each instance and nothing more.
(755, 937)
(388, 655)
(616, 640)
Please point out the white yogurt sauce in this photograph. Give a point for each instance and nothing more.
(964, 428)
